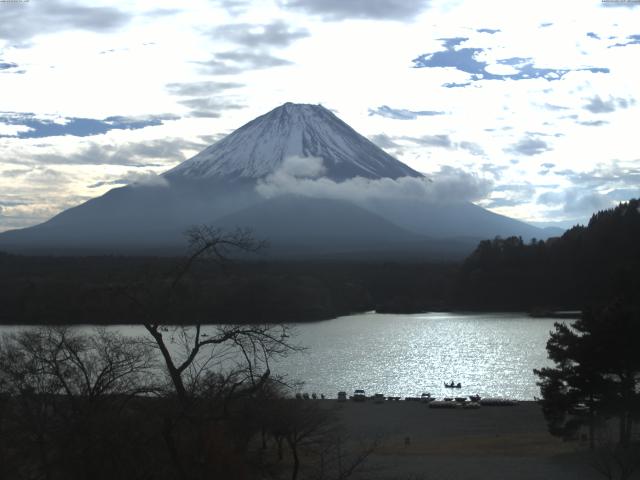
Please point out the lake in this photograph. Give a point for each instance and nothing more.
(401, 355)
(405, 355)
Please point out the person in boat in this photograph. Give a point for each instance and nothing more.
(459, 385)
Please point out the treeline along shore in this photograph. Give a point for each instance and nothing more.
(588, 264)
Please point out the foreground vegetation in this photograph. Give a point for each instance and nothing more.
(104, 406)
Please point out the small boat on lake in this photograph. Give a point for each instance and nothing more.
(452, 385)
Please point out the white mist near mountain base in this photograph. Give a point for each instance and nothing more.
(304, 176)
(302, 179)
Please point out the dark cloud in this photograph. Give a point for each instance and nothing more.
(373, 9)
(530, 146)
(501, 202)
(593, 35)
(575, 202)
(494, 170)
(153, 153)
(79, 127)
(162, 12)
(593, 190)
(593, 123)
(211, 139)
(466, 60)
(597, 105)
(234, 7)
(194, 89)
(472, 148)
(455, 85)
(20, 22)
(623, 194)
(604, 176)
(136, 178)
(7, 65)
(210, 107)
(14, 173)
(384, 141)
(619, 4)
(401, 114)
(443, 141)
(238, 61)
(510, 195)
(276, 34)
(550, 106)
(488, 30)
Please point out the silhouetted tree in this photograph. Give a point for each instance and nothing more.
(211, 368)
(66, 394)
(597, 364)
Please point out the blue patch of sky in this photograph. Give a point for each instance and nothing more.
(79, 127)
(631, 40)
(401, 113)
(488, 30)
(465, 60)
(593, 35)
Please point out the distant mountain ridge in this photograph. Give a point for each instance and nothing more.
(218, 186)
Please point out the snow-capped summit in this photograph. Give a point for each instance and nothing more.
(221, 187)
(302, 130)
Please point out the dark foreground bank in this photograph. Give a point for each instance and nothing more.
(413, 441)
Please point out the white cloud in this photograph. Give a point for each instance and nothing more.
(303, 176)
(121, 64)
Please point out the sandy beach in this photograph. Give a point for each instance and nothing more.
(417, 442)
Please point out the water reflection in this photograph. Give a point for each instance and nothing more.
(405, 355)
(400, 355)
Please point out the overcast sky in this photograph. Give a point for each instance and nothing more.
(537, 100)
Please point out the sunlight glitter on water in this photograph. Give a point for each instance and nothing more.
(405, 355)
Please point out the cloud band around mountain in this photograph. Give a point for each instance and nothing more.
(303, 176)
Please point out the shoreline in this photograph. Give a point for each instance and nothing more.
(414, 441)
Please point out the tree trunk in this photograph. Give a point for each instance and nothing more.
(167, 433)
(176, 377)
(296, 460)
(279, 442)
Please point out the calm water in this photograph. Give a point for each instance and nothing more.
(490, 354)
(405, 355)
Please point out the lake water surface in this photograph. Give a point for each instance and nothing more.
(401, 355)
(405, 355)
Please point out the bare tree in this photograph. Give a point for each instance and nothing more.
(211, 365)
(65, 392)
(188, 351)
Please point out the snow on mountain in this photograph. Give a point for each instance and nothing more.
(293, 130)
(301, 178)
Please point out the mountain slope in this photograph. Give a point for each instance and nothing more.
(259, 148)
(446, 220)
(218, 187)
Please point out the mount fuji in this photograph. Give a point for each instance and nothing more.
(300, 178)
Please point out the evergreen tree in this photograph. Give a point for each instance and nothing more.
(597, 365)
